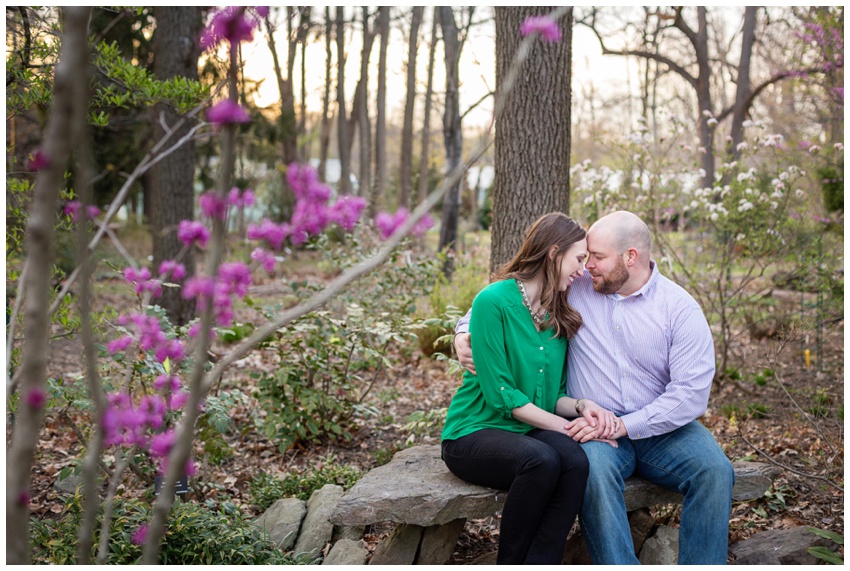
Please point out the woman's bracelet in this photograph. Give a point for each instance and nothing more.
(578, 409)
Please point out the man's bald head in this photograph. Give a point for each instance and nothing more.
(622, 230)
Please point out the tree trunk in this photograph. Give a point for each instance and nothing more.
(426, 122)
(303, 31)
(743, 90)
(176, 54)
(405, 178)
(70, 99)
(532, 141)
(344, 186)
(452, 134)
(361, 109)
(325, 136)
(703, 88)
(288, 128)
(377, 188)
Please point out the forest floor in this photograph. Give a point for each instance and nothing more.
(794, 419)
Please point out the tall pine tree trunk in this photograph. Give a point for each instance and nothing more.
(176, 53)
(406, 168)
(532, 142)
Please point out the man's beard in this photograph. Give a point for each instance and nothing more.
(614, 280)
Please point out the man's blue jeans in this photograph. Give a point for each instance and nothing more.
(688, 460)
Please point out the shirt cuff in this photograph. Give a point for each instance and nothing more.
(636, 425)
(512, 399)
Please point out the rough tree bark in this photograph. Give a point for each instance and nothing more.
(325, 136)
(344, 186)
(426, 122)
(405, 178)
(176, 53)
(360, 112)
(532, 142)
(377, 188)
(288, 127)
(70, 98)
(452, 134)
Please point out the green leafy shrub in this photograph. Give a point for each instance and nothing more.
(266, 489)
(196, 535)
(450, 300)
(327, 366)
(424, 424)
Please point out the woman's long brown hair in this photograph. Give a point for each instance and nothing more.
(550, 230)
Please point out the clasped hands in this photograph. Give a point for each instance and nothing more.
(595, 423)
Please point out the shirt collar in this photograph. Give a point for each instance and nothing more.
(650, 283)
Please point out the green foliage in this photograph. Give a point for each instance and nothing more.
(450, 300)
(196, 535)
(774, 501)
(745, 410)
(266, 489)
(327, 365)
(824, 553)
(424, 424)
(832, 187)
(723, 242)
(216, 421)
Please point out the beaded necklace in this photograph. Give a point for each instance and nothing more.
(538, 319)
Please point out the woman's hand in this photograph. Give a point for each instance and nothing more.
(605, 421)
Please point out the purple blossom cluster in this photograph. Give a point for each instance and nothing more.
(543, 25)
(232, 282)
(388, 223)
(147, 332)
(233, 24)
(75, 207)
(312, 214)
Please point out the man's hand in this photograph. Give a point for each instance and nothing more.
(463, 347)
(581, 430)
(603, 420)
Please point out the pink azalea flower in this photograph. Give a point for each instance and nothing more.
(422, 225)
(213, 206)
(178, 400)
(36, 398)
(175, 269)
(346, 211)
(273, 234)
(266, 259)
(140, 535)
(262, 11)
(230, 24)
(227, 111)
(162, 443)
(120, 344)
(38, 161)
(543, 25)
(190, 232)
(388, 223)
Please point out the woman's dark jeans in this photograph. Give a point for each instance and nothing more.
(544, 473)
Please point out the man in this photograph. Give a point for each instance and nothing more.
(644, 352)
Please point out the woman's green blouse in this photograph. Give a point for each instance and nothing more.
(515, 365)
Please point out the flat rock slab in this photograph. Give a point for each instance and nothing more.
(787, 545)
(316, 530)
(282, 521)
(415, 487)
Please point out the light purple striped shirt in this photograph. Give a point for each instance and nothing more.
(648, 357)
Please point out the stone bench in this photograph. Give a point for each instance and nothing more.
(430, 504)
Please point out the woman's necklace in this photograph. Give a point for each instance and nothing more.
(538, 319)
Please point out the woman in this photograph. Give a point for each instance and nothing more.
(505, 425)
